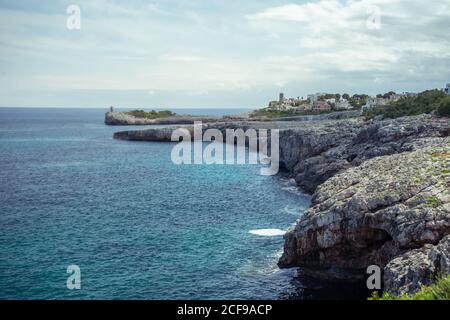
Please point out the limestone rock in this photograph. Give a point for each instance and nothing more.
(409, 271)
(374, 212)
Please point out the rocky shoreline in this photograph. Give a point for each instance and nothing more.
(380, 196)
(124, 119)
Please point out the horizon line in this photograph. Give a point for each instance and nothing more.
(119, 107)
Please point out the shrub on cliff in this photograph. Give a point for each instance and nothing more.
(426, 102)
(152, 114)
(444, 108)
(440, 290)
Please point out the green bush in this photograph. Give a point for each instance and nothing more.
(444, 107)
(276, 113)
(151, 114)
(440, 290)
(426, 102)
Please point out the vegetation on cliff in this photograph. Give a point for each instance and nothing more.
(440, 290)
(357, 100)
(444, 107)
(426, 102)
(152, 114)
(277, 113)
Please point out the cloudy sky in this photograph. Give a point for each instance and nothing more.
(217, 53)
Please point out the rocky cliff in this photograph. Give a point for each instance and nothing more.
(373, 213)
(381, 191)
(315, 152)
(123, 119)
(380, 195)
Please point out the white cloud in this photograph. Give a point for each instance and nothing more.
(193, 49)
(337, 33)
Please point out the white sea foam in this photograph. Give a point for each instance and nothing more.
(292, 210)
(268, 232)
(292, 189)
(265, 266)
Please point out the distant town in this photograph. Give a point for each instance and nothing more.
(328, 102)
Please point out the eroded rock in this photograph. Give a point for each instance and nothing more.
(372, 213)
(409, 271)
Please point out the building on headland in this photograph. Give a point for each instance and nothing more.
(380, 101)
(311, 98)
(395, 97)
(284, 103)
(375, 102)
(314, 97)
(326, 102)
(313, 104)
(111, 109)
(343, 104)
(410, 94)
(447, 88)
(319, 106)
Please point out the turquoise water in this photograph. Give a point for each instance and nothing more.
(138, 226)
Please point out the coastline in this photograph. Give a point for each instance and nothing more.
(349, 228)
(123, 119)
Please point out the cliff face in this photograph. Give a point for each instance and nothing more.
(371, 213)
(380, 195)
(315, 152)
(385, 193)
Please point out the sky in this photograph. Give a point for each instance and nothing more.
(216, 53)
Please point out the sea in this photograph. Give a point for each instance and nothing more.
(136, 225)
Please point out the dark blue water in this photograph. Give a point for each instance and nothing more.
(138, 226)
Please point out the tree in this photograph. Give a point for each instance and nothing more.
(444, 107)
(387, 95)
(426, 102)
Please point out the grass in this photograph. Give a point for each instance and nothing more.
(418, 180)
(444, 107)
(433, 201)
(151, 114)
(276, 113)
(270, 113)
(439, 290)
(441, 155)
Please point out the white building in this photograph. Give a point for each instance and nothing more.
(373, 102)
(410, 94)
(343, 104)
(395, 97)
(379, 102)
(314, 97)
(447, 89)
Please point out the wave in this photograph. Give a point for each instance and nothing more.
(293, 209)
(268, 232)
(293, 189)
